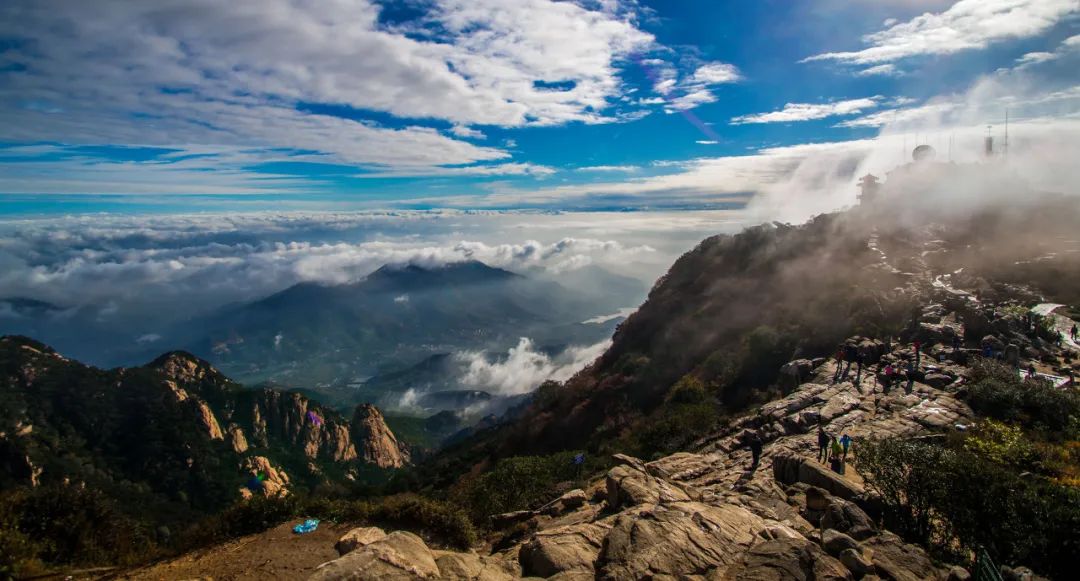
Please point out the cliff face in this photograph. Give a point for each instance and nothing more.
(376, 442)
(176, 425)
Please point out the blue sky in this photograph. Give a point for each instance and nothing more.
(602, 104)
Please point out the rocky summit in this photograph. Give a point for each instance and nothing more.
(708, 513)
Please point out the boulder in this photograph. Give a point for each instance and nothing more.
(836, 542)
(565, 503)
(468, 567)
(680, 539)
(562, 550)
(789, 468)
(399, 556)
(817, 499)
(893, 559)
(357, 538)
(937, 380)
(786, 559)
(630, 486)
(856, 562)
(847, 517)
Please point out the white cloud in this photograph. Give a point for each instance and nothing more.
(809, 111)
(467, 132)
(256, 75)
(609, 168)
(524, 368)
(689, 90)
(716, 73)
(883, 70)
(966, 25)
(706, 142)
(900, 117)
(1068, 46)
(517, 169)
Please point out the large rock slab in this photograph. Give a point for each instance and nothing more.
(789, 469)
(896, 560)
(562, 550)
(357, 538)
(784, 559)
(399, 556)
(630, 486)
(685, 538)
(468, 567)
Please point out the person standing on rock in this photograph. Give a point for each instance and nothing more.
(917, 344)
(755, 444)
(836, 464)
(1074, 332)
(845, 443)
(823, 445)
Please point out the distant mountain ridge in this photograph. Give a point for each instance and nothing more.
(175, 432)
(311, 334)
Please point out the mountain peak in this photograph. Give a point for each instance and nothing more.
(184, 368)
(452, 273)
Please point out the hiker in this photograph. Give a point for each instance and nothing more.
(917, 344)
(850, 353)
(823, 445)
(839, 364)
(754, 442)
(886, 382)
(845, 442)
(1031, 371)
(836, 464)
(1074, 332)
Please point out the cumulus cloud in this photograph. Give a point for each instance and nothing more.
(809, 111)
(966, 25)
(682, 92)
(290, 78)
(524, 368)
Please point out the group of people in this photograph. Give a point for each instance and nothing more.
(848, 353)
(833, 451)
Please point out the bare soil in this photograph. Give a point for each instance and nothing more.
(274, 554)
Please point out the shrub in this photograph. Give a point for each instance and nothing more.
(432, 518)
(906, 475)
(1000, 443)
(517, 483)
(689, 389)
(998, 392)
(954, 500)
(69, 525)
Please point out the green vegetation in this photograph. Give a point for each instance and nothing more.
(435, 520)
(63, 526)
(69, 525)
(1008, 484)
(520, 483)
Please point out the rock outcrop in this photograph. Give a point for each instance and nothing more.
(376, 443)
(708, 514)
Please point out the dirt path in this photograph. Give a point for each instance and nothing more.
(275, 554)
